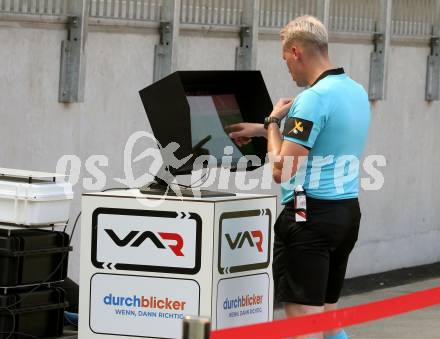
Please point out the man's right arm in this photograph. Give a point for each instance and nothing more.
(243, 132)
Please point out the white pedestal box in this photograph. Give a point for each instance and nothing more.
(146, 262)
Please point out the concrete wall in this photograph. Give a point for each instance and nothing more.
(400, 225)
(401, 221)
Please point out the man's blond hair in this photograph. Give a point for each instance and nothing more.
(305, 29)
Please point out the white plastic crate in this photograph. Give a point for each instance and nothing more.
(31, 198)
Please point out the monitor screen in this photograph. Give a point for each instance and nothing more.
(193, 108)
(210, 115)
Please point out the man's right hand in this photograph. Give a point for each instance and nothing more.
(243, 132)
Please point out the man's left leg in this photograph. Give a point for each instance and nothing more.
(297, 310)
(300, 266)
(336, 333)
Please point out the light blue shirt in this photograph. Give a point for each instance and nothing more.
(331, 119)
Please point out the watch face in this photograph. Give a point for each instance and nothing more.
(266, 122)
(269, 120)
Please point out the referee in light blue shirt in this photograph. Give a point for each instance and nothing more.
(324, 136)
(333, 116)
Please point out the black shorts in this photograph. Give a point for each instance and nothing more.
(310, 258)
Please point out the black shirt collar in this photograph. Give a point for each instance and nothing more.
(334, 71)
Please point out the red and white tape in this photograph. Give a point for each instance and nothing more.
(329, 320)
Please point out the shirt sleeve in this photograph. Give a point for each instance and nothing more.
(305, 120)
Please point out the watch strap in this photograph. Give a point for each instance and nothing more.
(270, 120)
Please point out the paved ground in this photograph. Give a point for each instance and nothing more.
(422, 324)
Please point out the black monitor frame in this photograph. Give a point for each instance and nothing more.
(168, 111)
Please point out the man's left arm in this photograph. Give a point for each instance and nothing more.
(304, 122)
(284, 154)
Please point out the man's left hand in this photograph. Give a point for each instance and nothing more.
(281, 109)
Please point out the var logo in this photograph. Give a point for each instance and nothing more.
(253, 238)
(139, 238)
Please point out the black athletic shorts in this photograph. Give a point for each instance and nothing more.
(310, 258)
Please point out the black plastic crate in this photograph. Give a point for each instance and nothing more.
(30, 256)
(38, 314)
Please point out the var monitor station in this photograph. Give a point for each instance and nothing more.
(195, 109)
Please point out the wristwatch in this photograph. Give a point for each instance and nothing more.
(269, 120)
